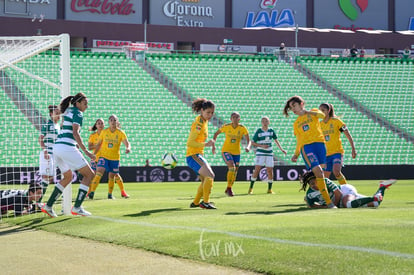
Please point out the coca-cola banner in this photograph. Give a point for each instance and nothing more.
(37, 10)
(186, 13)
(109, 11)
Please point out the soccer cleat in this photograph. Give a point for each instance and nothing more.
(229, 192)
(250, 192)
(49, 211)
(90, 195)
(79, 211)
(332, 205)
(387, 183)
(193, 205)
(378, 197)
(110, 196)
(124, 194)
(270, 191)
(207, 205)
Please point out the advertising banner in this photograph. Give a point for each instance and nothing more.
(115, 11)
(226, 48)
(268, 13)
(187, 13)
(351, 14)
(404, 15)
(26, 175)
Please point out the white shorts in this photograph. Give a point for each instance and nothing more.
(348, 189)
(68, 158)
(264, 161)
(46, 166)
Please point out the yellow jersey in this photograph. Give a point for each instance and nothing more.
(307, 130)
(111, 143)
(332, 133)
(94, 139)
(198, 136)
(233, 138)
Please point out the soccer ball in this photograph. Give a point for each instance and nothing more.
(169, 161)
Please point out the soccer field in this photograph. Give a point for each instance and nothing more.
(263, 233)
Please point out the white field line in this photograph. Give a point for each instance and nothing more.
(274, 240)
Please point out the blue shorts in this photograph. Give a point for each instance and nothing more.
(314, 154)
(229, 157)
(195, 162)
(111, 166)
(333, 159)
(93, 165)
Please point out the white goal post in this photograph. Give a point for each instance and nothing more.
(34, 73)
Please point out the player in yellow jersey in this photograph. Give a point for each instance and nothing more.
(93, 139)
(310, 142)
(109, 146)
(195, 151)
(92, 142)
(230, 151)
(332, 127)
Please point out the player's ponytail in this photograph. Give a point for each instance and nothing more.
(329, 108)
(71, 100)
(202, 103)
(65, 103)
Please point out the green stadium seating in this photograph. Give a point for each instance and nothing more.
(156, 121)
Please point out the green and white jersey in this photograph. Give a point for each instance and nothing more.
(72, 116)
(50, 132)
(264, 137)
(315, 197)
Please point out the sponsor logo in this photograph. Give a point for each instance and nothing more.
(119, 7)
(350, 10)
(180, 13)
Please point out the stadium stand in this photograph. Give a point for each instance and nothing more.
(157, 121)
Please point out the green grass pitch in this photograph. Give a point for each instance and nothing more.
(261, 232)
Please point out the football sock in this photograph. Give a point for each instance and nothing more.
(269, 185)
(120, 183)
(359, 202)
(341, 179)
(320, 182)
(381, 190)
(57, 191)
(44, 188)
(83, 189)
(207, 186)
(95, 182)
(111, 184)
(230, 177)
(252, 181)
(199, 194)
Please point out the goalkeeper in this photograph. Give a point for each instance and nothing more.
(20, 201)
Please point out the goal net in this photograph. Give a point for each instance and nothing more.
(34, 73)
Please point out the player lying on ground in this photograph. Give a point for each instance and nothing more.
(344, 196)
(20, 201)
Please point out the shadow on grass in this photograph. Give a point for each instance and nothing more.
(28, 225)
(302, 208)
(154, 211)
